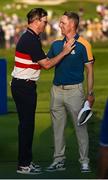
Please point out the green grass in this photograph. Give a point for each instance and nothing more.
(43, 139)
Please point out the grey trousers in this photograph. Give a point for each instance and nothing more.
(69, 98)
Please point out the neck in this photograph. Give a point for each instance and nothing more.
(70, 35)
(33, 29)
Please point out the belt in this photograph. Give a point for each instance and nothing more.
(25, 80)
(66, 87)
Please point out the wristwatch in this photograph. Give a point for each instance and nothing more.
(91, 93)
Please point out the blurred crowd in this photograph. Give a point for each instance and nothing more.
(11, 27)
(97, 28)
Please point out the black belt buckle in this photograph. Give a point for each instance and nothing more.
(29, 81)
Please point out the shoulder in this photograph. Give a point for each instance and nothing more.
(84, 42)
(26, 36)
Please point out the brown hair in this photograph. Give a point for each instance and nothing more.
(73, 16)
(36, 13)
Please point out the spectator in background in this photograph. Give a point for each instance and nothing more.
(81, 12)
(100, 9)
(89, 30)
(97, 30)
(2, 38)
(105, 23)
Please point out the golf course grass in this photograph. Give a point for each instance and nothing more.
(43, 137)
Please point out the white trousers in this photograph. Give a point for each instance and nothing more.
(70, 99)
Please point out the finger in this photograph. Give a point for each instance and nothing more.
(72, 46)
(64, 43)
(71, 41)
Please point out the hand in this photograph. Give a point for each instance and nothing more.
(91, 100)
(68, 46)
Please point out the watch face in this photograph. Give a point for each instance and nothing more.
(91, 94)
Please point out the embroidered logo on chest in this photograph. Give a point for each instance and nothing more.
(73, 51)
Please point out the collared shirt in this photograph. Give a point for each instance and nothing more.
(71, 69)
(28, 53)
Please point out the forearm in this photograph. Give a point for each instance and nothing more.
(90, 84)
(49, 63)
